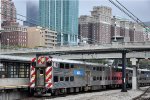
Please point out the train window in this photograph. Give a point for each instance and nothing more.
(33, 63)
(71, 78)
(108, 77)
(66, 78)
(103, 68)
(55, 78)
(61, 65)
(94, 68)
(61, 78)
(66, 66)
(112, 78)
(41, 72)
(94, 78)
(97, 69)
(100, 78)
(72, 66)
(97, 78)
(100, 69)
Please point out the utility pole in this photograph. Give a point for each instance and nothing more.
(124, 81)
(0, 26)
(115, 39)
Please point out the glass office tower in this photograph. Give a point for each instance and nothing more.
(61, 16)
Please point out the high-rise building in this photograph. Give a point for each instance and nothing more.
(85, 28)
(32, 13)
(8, 11)
(61, 16)
(97, 26)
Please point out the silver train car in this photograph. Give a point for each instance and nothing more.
(50, 76)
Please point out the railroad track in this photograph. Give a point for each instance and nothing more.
(64, 95)
(144, 96)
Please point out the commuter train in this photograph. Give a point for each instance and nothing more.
(50, 76)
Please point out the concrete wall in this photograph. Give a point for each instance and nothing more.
(12, 95)
(13, 81)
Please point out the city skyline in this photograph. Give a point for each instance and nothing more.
(85, 7)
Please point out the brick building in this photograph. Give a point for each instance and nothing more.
(14, 34)
(85, 28)
(97, 26)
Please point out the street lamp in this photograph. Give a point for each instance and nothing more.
(0, 41)
(115, 23)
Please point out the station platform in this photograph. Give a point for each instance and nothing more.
(14, 87)
(14, 83)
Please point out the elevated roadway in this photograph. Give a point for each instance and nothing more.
(136, 50)
(85, 49)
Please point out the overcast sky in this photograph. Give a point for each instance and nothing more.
(140, 8)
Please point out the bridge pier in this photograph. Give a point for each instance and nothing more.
(124, 89)
(134, 77)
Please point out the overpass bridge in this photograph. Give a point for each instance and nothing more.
(137, 50)
(103, 48)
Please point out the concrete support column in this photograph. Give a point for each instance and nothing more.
(134, 77)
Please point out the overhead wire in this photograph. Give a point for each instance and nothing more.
(128, 13)
(144, 25)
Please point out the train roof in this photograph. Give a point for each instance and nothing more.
(76, 62)
(132, 69)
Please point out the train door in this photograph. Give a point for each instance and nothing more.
(40, 77)
(88, 76)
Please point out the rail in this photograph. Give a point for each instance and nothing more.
(144, 96)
